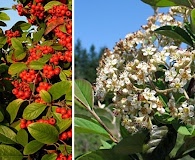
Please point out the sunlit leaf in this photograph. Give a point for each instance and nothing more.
(33, 110)
(13, 108)
(44, 133)
(32, 147)
(9, 153)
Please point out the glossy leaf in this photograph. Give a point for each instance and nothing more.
(4, 16)
(25, 26)
(17, 45)
(32, 147)
(45, 96)
(3, 24)
(51, 156)
(176, 33)
(50, 4)
(9, 153)
(1, 116)
(131, 144)
(182, 128)
(44, 133)
(16, 68)
(36, 65)
(103, 154)
(13, 108)
(22, 137)
(33, 110)
(59, 89)
(7, 135)
(64, 124)
(3, 41)
(19, 55)
(167, 3)
(85, 126)
(84, 92)
(38, 35)
(192, 20)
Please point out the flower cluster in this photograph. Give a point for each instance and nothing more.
(146, 72)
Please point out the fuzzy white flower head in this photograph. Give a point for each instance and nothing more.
(170, 74)
(149, 94)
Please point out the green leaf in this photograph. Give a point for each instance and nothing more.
(32, 147)
(50, 5)
(4, 16)
(16, 68)
(103, 154)
(3, 68)
(59, 89)
(17, 45)
(64, 124)
(38, 35)
(84, 93)
(45, 96)
(9, 153)
(19, 55)
(178, 144)
(167, 3)
(182, 128)
(13, 108)
(36, 65)
(3, 24)
(3, 41)
(123, 131)
(131, 144)
(7, 135)
(85, 126)
(175, 32)
(192, 20)
(163, 118)
(52, 156)
(45, 58)
(25, 26)
(22, 137)
(1, 116)
(63, 28)
(43, 132)
(33, 110)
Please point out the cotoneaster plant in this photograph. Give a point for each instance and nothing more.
(36, 82)
(147, 80)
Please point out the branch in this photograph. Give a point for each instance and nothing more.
(99, 120)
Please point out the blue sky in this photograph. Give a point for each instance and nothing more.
(14, 17)
(104, 22)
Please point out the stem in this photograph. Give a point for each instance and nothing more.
(99, 120)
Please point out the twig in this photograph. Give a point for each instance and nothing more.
(114, 139)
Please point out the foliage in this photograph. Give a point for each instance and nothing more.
(151, 96)
(36, 82)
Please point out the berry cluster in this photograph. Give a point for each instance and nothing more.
(38, 51)
(37, 10)
(65, 135)
(63, 157)
(59, 56)
(30, 76)
(24, 123)
(22, 89)
(10, 34)
(49, 71)
(65, 113)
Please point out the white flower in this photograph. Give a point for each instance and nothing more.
(170, 74)
(149, 95)
(149, 50)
